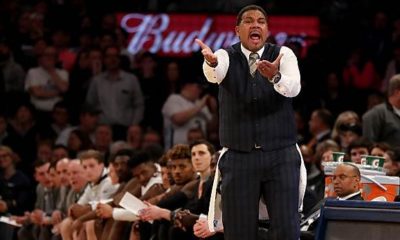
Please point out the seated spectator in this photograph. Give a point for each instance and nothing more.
(134, 136)
(347, 134)
(36, 224)
(196, 201)
(59, 152)
(358, 148)
(346, 184)
(14, 185)
(344, 118)
(78, 182)
(100, 186)
(392, 162)
(88, 119)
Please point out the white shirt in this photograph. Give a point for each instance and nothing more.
(100, 191)
(288, 86)
(40, 77)
(349, 196)
(177, 103)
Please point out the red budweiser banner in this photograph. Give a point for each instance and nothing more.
(174, 34)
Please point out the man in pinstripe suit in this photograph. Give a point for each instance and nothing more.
(256, 83)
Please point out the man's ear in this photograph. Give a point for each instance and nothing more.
(237, 31)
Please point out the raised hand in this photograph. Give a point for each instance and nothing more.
(208, 54)
(269, 69)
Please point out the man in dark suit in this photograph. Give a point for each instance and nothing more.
(346, 183)
(257, 81)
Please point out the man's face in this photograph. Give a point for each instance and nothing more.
(59, 153)
(42, 176)
(355, 154)
(121, 167)
(54, 178)
(76, 175)
(165, 177)
(182, 170)
(5, 159)
(93, 169)
(103, 136)
(62, 171)
(347, 137)
(314, 123)
(345, 181)
(201, 158)
(252, 30)
(144, 172)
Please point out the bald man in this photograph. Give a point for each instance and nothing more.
(346, 182)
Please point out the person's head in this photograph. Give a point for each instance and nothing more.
(76, 175)
(103, 137)
(358, 148)
(24, 113)
(78, 141)
(394, 91)
(143, 168)
(181, 165)
(344, 118)
(134, 136)
(202, 152)
(324, 151)
(88, 118)
(49, 57)
(346, 179)
(349, 133)
(60, 114)
(7, 157)
(321, 120)
(195, 134)
(165, 173)
(93, 164)
(120, 164)
(53, 175)
(252, 27)
(45, 150)
(112, 58)
(41, 172)
(151, 137)
(392, 161)
(62, 171)
(112, 173)
(59, 152)
(192, 88)
(379, 149)
(172, 72)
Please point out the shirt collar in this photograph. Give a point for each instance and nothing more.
(247, 52)
(396, 111)
(349, 196)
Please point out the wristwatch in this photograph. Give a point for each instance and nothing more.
(276, 78)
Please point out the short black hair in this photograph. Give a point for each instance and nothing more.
(249, 8)
(123, 152)
(138, 158)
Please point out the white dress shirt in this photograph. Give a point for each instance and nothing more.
(288, 86)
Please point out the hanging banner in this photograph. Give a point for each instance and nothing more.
(174, 34)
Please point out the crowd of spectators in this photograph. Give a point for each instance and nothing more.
(68, 85)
